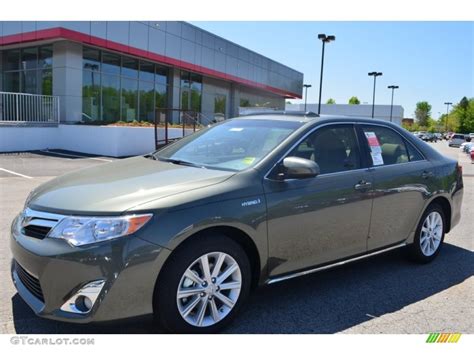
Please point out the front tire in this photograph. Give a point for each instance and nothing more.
(203, 286)
(429, 235)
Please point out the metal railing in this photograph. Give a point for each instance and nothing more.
(28, 109)
(188, 121)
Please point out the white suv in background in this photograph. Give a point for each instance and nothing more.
(456, 140)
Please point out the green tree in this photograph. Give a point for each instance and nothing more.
(461, 111)
(354, 100)
(330, 101)
(423, 113)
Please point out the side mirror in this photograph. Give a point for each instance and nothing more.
(298, 168)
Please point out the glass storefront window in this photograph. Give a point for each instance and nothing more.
(29, 58)
(185, 99)
(130, 67)
(196, 100)
(147, 101)
(23, 70)
(219, 104)
(185, 79)
(91, 94)
(129, 99)
(45, 57)
(161, 76)
(11, 82)
(110, 63)
(11, 60)
(110, 98)
(161, 97)
(91, 59)
(191, 91)
(147, 71)
(46, 82)
(29, 82)
(123, 88)
(196, 82)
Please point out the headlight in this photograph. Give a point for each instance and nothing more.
(86, 230)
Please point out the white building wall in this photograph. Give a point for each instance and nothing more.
(380, 111)
(100, 140)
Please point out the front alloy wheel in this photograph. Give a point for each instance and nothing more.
(203, 286)
(209, 289)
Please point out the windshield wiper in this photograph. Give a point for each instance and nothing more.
(179, 162)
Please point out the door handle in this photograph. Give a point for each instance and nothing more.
(426, 174)
(363, 185)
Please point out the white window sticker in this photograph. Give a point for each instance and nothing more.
(375, 149)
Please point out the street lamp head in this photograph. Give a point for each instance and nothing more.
(392, 87)
(322, 36)
(374, 73)
(448, 103)
(306, 85)
(331, 38)
(379, 74)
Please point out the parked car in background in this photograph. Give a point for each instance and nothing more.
(421, 134)
(186, 232)
(471, 136)
(429, 137)
(456, 140)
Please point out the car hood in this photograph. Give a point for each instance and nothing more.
(121, 185)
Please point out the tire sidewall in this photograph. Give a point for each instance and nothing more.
(164, 304)
(416, 248)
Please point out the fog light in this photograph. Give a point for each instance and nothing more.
(84, 299)
(83, 304)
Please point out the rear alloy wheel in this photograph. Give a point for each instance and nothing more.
(203, 286)
(429, 235)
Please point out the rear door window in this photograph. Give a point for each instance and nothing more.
(386, 146)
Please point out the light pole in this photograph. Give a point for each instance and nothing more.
(393, 87)
(447, 113)
(375, 75)
(325, 39)
(306, 86)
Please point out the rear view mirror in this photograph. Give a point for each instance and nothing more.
(299, 168)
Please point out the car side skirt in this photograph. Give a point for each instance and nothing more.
(334, 264)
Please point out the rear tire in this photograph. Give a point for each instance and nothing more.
(429, 235)
(210, 304)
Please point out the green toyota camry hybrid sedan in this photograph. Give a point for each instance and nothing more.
(185, 233)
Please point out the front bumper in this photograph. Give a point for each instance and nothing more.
(129, 266)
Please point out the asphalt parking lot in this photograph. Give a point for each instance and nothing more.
(384, 294)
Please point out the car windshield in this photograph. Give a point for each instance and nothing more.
(232, 145)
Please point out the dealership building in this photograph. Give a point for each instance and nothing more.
(125, 71)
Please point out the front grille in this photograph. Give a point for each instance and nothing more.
(29, 281)
(39, 232)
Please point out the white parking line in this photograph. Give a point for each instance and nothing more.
(12, 172)
(76, 156)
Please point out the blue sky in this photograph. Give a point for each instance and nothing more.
(432, 61)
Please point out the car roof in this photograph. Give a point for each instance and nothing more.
(306, 117)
